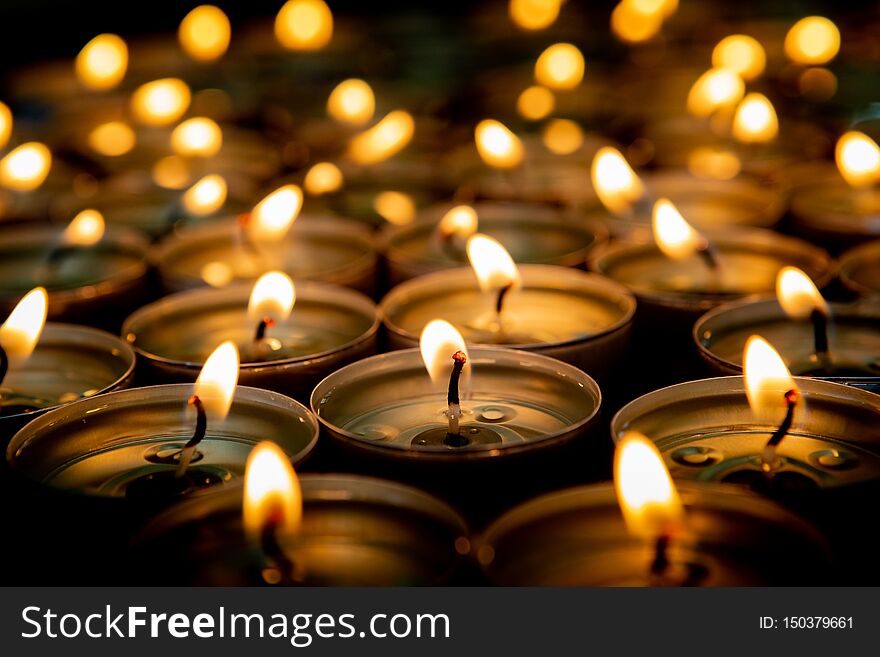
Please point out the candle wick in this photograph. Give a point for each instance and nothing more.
(820, 338)
(4, 363)
(499, 302)
(272, 549)
(769, 454)
(244, 240)
(661, 559)
(60, 252)
(260, 333)
(709, 255)
(453, 434)
(188, 451)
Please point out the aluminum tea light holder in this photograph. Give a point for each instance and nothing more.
(860, 269)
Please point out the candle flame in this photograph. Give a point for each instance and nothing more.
(273, 296)
(812, 40)
(741, 54)
(766, 377)
(112, 139)
(21, 331)
(217, 273)
(534, 14)
(562, 136)
(461, 221)
(272, 217)
(616, 184)
(755, 120)
(797, 294)
(560, 67)
(716, 88)
(323, 178)
(352, 101)
(395, 207)
(492, 264)
(535, 103)
(648, 499)
(674, 236)
(438, 342)
(206, 196)
(161, 102)
(197, 137)
(713, 163)
(631, 23)
(304, 25)
(5, 124)
(102, 62)
(497, 145)
(86, 229)
(388, 137)
(171, 172)
(216, 383)
(858, 159)
(271, 492)
(204, 33)
(26, 167)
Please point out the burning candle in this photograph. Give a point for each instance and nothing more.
(161, 102)
(352, 102)
(383, 140)
(204, 33)
(102, 62)
(560, 67)
(24, 168)
(197, 137)
(497, 145)
(289, 340)
(304, 25)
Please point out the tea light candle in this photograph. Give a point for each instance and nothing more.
(92, 275)
(316, 530)
(329, 327)
(532, 233)
(860, 269)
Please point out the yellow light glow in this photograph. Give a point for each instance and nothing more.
(272, 493)
(766, 377)
(216, 383)
(492, 264)
(664, 8)
(648, 499)
(102, 62)
(161, 102)
(616, 184)
(560, 67)
(171, 172)
(304, 25)
(535, 103)
(86, 229)
(217, 273)
(674, 236)
(273, 296)
(198, 137)
(716, 88)
(21, 331)
(388, 137)
(206, 196)
(562, 136)
(713, 163)
(461, 221)
(755, 120)
(204, 33)
(812, 40)
(631, 25)
(438, 341)
(352, 101)
(534, 14)
(797, 294)
(26, 167)
(741, 54)
(112, 139)
(395, 207)
(323, 178)
(858, 159)
(497, 145)
(5, 124)
(272, 217)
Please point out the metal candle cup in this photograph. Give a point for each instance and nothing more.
(329, 327)
(96, 285)
(579, 318)
(356, 531)
(69, 362)
(326, 249)
(531, 233)
(860, 268)
(836, 213)
(577, 537)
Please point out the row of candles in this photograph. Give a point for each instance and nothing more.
(277, 302)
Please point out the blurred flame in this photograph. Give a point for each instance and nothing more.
(216, 383)
(534, 14)
(271, 492)
(562, 136)
(812, 40)
(858, 159)
(755, 120)
(304, 25)
(648, 499)
(197, 137)
(497, 145)
(438, 342)
(797, 294)
(461, 220)
(161, 102)
(112, 139)
(86, 229)
(675, 237)
(713, 163)
(388, 137)
(206, 196)
(535, 103)
(631, 24)
(560, 67)
(395, 207)
(273, 296)
(5, 124)
(26, 167)
(21, 331)
(102, 62)
(492, 264)
(616, 184)
(204, 33)
(741, 54)
(323, 178)
(217, 273)
(171, 172)
(716, 88)
(766, 377)
(272, 217)
(352, 101)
